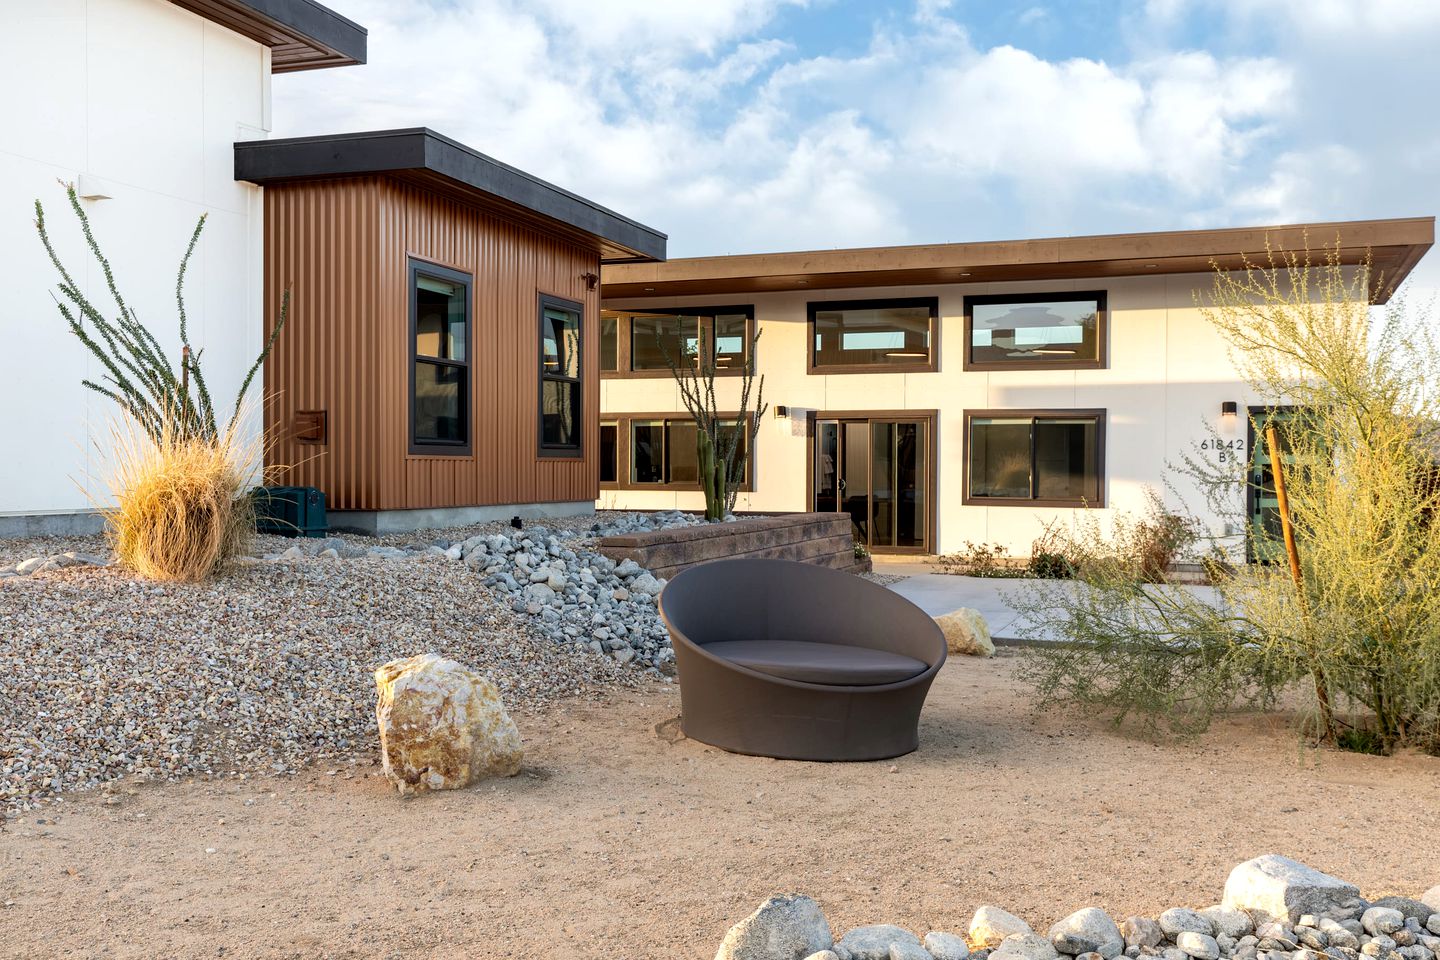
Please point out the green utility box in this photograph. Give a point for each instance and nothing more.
(290, 511)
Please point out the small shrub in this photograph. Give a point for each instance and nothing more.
(182, 509)
(861, 551)
(979, 560)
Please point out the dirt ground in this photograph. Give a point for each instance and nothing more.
(622, 839)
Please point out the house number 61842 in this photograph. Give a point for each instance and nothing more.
(1224, 449)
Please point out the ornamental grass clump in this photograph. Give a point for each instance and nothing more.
(181, 509)
(1345, 616)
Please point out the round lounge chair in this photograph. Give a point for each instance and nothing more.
(800, 662)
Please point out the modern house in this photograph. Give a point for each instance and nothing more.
(138, 103)
(956, 392)
(439, 364)
(443, 366)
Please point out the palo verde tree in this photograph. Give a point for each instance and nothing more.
(1350, 617)
(723, 442)
(168, 400)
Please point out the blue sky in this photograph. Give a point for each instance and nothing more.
(757, 125)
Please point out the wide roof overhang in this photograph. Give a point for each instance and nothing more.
(301, 34)
(1392, 246)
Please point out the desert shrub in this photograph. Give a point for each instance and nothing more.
(1354, 629)
(159, 395)
(979, 560)
(181, 509)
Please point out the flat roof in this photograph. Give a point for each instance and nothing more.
(439, 163)
(301, 34)
(1394, 246)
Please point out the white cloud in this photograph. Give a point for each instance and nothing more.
(704, 121)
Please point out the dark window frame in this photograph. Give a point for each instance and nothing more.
(624, 343)
(442, 448)
(929, 365)
(1102, 330)
(1049, 413)
(558, 451)
(623, 464)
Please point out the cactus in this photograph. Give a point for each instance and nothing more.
(711, 481)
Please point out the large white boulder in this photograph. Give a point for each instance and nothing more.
(966, 633)
(1025, 946)
(878, 942)
(990, 925)
(782, 928)
(1088, 931)
(442, 726)
(1286, 888)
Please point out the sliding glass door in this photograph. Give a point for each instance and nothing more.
(876, 469)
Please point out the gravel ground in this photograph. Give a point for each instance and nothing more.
(269, 668)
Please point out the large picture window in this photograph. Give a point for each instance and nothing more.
(648, 451)
(440, 360)
(868, 336)
(1035, 331)
(560, 381)
(1035, 458)
(635, 343)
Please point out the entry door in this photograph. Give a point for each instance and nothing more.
(876, 470)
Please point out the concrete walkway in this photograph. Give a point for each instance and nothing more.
(938, 593)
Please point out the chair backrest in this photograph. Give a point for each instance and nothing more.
(750, 599)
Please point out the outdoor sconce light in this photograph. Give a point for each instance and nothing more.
(781, 411)
(1228, 408)
(592, 280)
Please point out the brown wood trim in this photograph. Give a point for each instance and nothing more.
(932, 418)
(624, 347)
(931, 365)
(1099, 413)
(1102, 331)
(622, 453)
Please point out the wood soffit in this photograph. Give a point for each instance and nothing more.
(1395, 247)
(301, 34)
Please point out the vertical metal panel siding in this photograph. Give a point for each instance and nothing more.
(342, 246)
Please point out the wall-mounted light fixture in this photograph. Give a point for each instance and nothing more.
(592, 280)
(1228, 408)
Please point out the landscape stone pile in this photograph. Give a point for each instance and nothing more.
(1274, 908)
(575, 595)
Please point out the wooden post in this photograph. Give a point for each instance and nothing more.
(1292, 553)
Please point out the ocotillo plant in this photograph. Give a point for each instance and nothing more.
(721, 456)
(166, 401)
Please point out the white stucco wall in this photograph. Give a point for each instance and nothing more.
(1168, 375)
(143, 100)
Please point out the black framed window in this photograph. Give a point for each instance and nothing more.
(635, 343)
(1036, 331)
(866, 336)
(1035, 458)
(561, 387)
(440, 336)
(609, 452)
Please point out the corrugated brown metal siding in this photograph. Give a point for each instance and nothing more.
(343, 247)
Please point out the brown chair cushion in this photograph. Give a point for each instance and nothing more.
(833, 664)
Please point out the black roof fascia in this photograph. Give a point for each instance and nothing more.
(419, 148)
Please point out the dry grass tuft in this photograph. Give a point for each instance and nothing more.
(181, 506)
